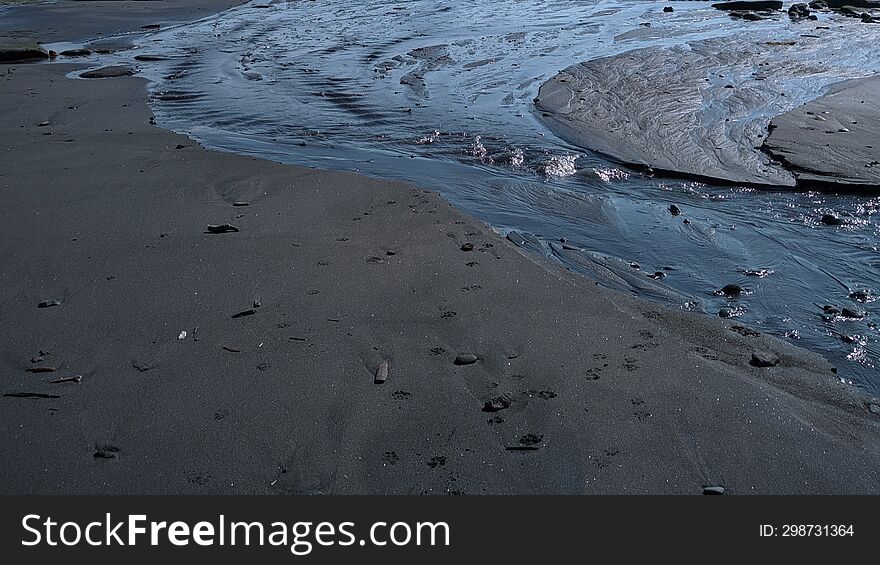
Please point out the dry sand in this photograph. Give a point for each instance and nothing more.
(575, 388)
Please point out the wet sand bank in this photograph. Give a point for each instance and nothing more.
(574, 388)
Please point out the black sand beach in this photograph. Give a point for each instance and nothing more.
(110, 254)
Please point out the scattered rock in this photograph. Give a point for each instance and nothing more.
(668, 9)
(240, 203)
(17, 52)
(852, 314)
(71, 379)
(467, 247)
(76, 53)
(764, 359)
(831, 220)
(35, 395)
(381, 373)
(730, 290)
(243, 313)
(874, 408)
(860, 295)
(466, 359)
(49, 303)
(674, 210)
(182, 335)
(108, 72)
(830, 310)
(41, 369)
(221, 228)
(496, 404)
(148, 58)
(106, 452)
(798, 11)
(713, 490)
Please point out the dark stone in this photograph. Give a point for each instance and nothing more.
(674, 210)
(467, 247)
(221, 228)
(730, 290)
(668, 9)
(49, 303)
(798, 11)
(713, 491)
(859, 295)
(830, 310)
(16, 52)
(108, 72)
(852, 314)
(148, 58)
(764, 359)
(831, 220)
(496, 404)
(76, 53)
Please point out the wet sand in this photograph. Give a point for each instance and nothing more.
(834, 141)
(505, 373)
(702, 110)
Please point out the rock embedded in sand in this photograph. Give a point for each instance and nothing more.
(243, 313)
(76, 53)
(49, 303)
(71, 379)
(17, 52)
(764, 359)
(381, 374)
(496, 404)
(108, 72)
(467, 246)
(798, 11)
(106, 452)
(465, 359)
(221, 228)
(718, 490)
(41, 369)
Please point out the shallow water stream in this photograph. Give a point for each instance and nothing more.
(440, 93)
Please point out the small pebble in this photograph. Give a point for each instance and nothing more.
(466, 359)
(381, 373)
(764, 359)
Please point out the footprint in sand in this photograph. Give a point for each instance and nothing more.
(199, 478)
(437, 461)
